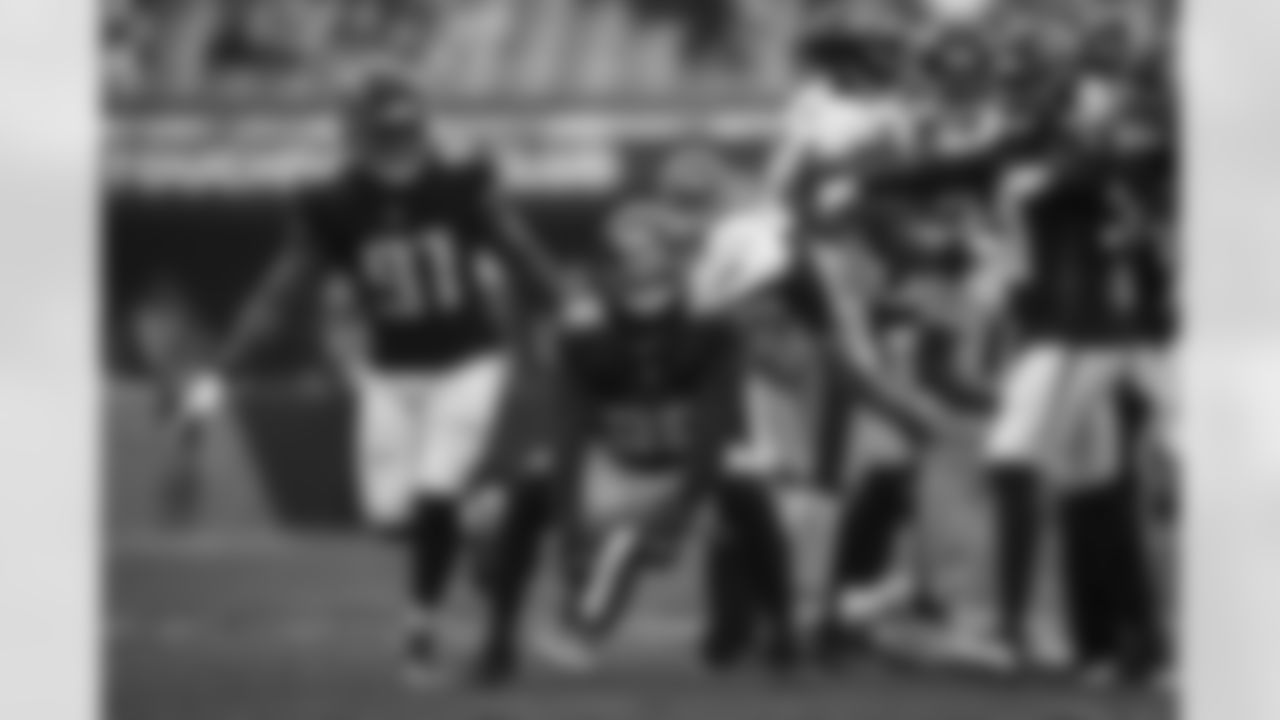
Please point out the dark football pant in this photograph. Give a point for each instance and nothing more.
(869, 524)
(749, 589)
(1114, 612)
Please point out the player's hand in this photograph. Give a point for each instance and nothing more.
(202, 396)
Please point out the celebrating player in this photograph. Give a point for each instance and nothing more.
(406, 244)
(1084, 236)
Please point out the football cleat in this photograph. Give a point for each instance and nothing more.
(496, 665)
(422, 670)
(569, 652)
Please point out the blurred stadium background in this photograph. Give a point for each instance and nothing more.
(266, 607)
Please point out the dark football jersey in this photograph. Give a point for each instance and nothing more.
(1083, 236)
(1151, 179)
(414, 255)
(651, 385)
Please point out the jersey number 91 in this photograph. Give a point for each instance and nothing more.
(414, 276)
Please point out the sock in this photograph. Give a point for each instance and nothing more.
(1089, 573)
(751, 519)
(869, 524)
(1138, 623)
(1015, 489)
(434, 542)
(1139, 611)
(727, 592)
(515, 552)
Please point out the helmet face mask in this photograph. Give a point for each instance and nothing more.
(959, 69)
(642, 275)
(642, 268)
(1099, 111)
(386, 131)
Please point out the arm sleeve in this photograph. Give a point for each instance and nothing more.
(312, 226)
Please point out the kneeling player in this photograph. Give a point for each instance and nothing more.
(654, 390)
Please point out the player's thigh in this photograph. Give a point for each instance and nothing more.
(1030, 390)
(388, 413)
(768, 440)
(1090, 448)
(1084, 441)
(460, 420)
(616, 496)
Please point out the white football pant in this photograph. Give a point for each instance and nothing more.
(1057, 407)
(425, 434)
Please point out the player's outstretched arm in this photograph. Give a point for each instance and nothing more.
(527, 256)
(856, 350)
(257, 317)
(261, 312)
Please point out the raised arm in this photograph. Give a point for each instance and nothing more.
(526, 256)
(260, 313)
(854, 344)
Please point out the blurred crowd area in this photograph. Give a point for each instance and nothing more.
(281, 51)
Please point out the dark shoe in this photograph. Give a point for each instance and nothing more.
(724, 648)
(833, 643)
(495, 666)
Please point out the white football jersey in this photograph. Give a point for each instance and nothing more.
(825, 125)
(746, 249)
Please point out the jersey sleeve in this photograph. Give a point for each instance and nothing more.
(475, 182)
(315, 223)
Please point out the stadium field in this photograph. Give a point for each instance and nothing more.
(239, 619)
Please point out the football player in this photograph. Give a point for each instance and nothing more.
(650, 369)
(848, 120)
(930, 249)
(406, 243)
(958, 98)
(1083, 235)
